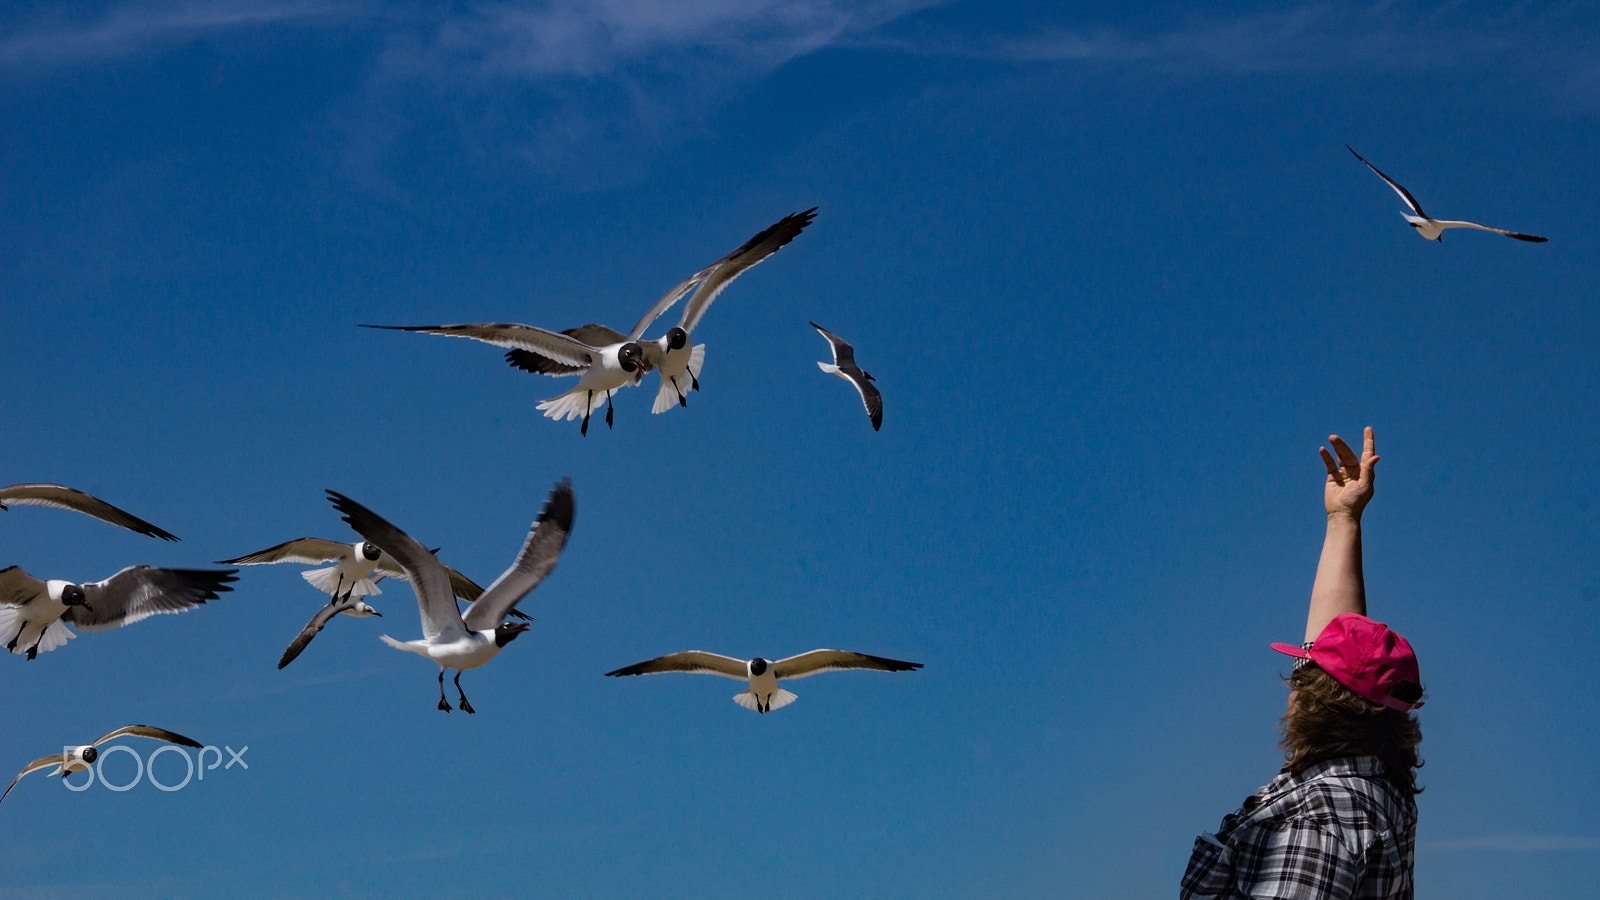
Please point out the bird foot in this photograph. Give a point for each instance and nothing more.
(443, 705)
(467, 707)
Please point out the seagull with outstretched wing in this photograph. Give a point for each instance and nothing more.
(606, 368)
(844, 366)
(76, 759)
(36, 613)
(763, 694)
(451, 639)
(63, 497)
(1432, 228)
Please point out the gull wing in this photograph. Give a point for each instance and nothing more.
(1404, 194)
(1454, 223)
(690, 661)
(538, 556)
(844, 359)
(435, 602)
(139, 592)
(148, 731)
(314, 626)
(715, 277)
(18, 587)
(43, 762)
(843, 353)
(834, 661)
(593, 335)
(62, 497)
(559, 347)
(308, 550)
(460, 585)
(664, 304)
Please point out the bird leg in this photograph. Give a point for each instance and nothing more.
(582, 430)
(442, 704)
(608, 409)
(682, 401)
(693, 380)
(465, 706)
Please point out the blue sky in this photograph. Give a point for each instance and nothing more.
(1116, 275)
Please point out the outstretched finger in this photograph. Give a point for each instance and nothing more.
(1369, 445)
(1333, 467)
(1347, 457)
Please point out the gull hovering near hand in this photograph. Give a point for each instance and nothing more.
(449, 638)
(606, 368)
(844, 366)
(79, 758)
(763, 694)
(35, 613)
(1431, 228)
(62, 497)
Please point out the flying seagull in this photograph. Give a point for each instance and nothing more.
(62, 497)
(844, 366)
(764, 695)
(35, 613)
(1431, 228)
(346, 604)
(76, 759)
(449, 638)
(354, 566)
(672, 354)
(607, 367)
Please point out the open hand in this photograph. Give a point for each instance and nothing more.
(1349, 479)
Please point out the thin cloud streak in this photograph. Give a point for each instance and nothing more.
(1308, 38)
(1518, 843)
(136, 28)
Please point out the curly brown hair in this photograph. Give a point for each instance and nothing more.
(1329, 721)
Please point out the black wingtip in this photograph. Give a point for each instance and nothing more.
(561, 506)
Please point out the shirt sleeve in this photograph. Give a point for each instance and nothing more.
(1300, 857)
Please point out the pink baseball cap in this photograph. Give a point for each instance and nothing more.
(1366, 657)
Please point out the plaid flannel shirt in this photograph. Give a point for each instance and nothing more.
(1338, 829)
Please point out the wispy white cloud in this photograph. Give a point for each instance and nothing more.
(133, 28)
(1309, 37)
(1518, 843)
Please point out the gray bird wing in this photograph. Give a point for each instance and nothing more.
(460, 585)
(147, 731)
(593, 335)
(836, 660)
(719, 274)
(698, 661)
(43, 762)
(302, 639)
(1457, 223)
(309, 551)
(538, 556)
(843, 353)
(139, 592)
(18, 587)
(62, 497)
(552, 344)
(1404, 194)
(435, 603)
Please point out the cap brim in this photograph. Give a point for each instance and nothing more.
(1292, 650)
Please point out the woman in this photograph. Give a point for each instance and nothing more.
(1339, 820)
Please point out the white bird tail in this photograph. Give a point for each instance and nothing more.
(327, 581)
(55, 634)
(778, 700)
(574, 404)
(679, 385)
(418, 647)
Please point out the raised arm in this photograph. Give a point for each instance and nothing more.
(1339, 587)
